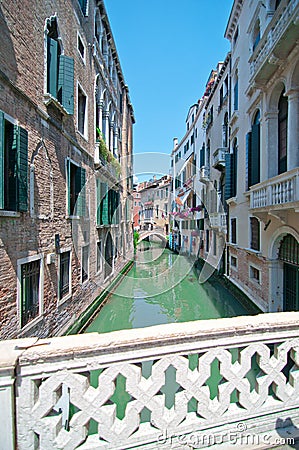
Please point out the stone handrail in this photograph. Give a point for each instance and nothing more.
(280, 190)
(63, 389)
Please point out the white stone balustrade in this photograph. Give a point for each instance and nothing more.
(204, 174)
(272, 35)
(63, 389)
(218, 220)
(280, 191)
(219, 157)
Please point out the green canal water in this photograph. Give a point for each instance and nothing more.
(162, 287)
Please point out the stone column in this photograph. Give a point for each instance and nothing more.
(111, 140)
(115, 139)
(271, 134)
(293, 129)
(105, 129)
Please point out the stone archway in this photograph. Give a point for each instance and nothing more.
(276, 268)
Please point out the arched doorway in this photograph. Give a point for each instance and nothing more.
(289, 255)
(108, 255)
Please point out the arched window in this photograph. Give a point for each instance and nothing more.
(253, 152)
(289, 255)
(231, 161)
(236, 92)
(225, 131)
(282, 133)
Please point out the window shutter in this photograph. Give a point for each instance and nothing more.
(66, 83)
(228, 175)
(68, 179)
(98, 188)
(52, 55)
(255, 154)
(202, 157)
(104, 208)
(248, 160)
(22, 168)
(82, 194)
(1, 160)
(83, 4)
(236, 95)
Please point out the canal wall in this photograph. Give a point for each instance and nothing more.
(87, 316)
(231, 287)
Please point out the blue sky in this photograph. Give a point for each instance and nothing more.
(167, 49)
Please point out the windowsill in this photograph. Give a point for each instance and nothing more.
(50, 99)
(82, 135)
(252, 251)
(32, 323)
(73, 217)
(232, 244)
(255, 282)
(232, 201)
(64, 299)
(85, 281)
(4, 213)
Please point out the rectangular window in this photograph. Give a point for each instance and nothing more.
(64, 274)
(85, 263)
(233, 261)
(254, 274)
(30, 291)
(254, 233)
(99, 256)
(233, 231)
(81, 48)
(82, 116)
(214, 243)
(236, 95)
(207, 240)
(165, 209)
(13, 166)
(76, 189)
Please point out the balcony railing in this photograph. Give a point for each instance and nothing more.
(204, 174)
(153, 386)
(278, 192)
(263, 54)
(219, 157)
(218, 220)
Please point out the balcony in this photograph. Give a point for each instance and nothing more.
(278, 40)
(219, 158)
(218, 220)
(204, 174)
(278, 193)
(60, 393)
(111, 168)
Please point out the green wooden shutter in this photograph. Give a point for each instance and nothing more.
(68, 180)
(22, 169)
(98, 193)
(66, 83)
(228, 175)
(81, 201)
(105, 219)
(52, 69)
(2, 143)
(248, 160)
(83, 4)
(202, 157)
(255, 154)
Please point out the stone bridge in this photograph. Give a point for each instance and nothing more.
(159, 232)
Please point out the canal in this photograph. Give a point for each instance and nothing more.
(162, 287)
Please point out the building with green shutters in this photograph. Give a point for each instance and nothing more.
(65, 163)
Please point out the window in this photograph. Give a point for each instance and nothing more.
(221, 96)
(157, 211)
(236, 92)
(76, 176)
(207, 240)
(60, 69)
(83, 5)
(256, 35)
(82, 116)
(214, 243)
(85, 263)
(282, 133)
(236, 35)
(30, 290)
(99, 256)
(233, 261)
(253, 153)
(231, 165)
(108, 204)
(225, 131)
(64, 274)
(233, 231)
(254, 274)
(81, 48)
(13, 166)
(165, 209)
(254, 233)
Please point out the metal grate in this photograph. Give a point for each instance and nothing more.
(289, 250)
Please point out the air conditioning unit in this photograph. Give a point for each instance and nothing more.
(51, 258)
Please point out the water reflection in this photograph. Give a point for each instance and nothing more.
(162, 287)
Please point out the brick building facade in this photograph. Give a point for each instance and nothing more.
(65, 161)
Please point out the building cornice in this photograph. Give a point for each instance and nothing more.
(233, 19)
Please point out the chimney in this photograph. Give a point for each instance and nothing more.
(175, 142)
